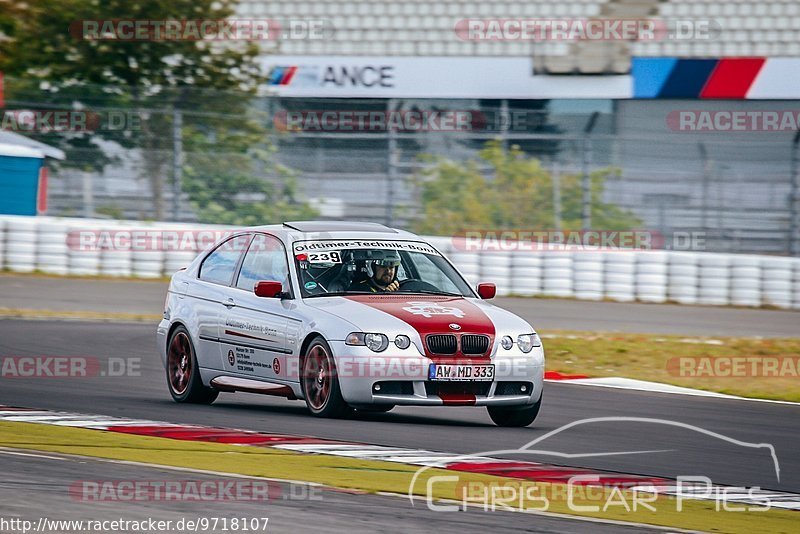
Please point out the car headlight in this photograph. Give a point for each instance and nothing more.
(507, 342)
(402, 342)
(375, 342)
(526, 342)
(355, 338)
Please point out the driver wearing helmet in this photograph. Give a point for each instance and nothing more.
(382, 274)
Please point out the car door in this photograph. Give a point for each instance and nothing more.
(253, 336)
(211, 295)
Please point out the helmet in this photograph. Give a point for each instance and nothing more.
(381, 258)
(390, 259)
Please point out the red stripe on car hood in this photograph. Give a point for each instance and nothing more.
(432, 314)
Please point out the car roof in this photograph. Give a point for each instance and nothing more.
(317, 230)
(338, 226)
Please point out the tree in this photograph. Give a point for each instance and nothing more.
(236, 188)
(453, 198)
(50, 47)
(505, 189)
(212, 82)
(11, 15)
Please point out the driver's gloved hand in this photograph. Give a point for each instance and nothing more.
(393, 286)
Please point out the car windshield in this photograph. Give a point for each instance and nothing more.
(335, 267)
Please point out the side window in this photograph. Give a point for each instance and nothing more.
(220, 265)
(265, 260)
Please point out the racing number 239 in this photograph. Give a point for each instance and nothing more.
(325, 257)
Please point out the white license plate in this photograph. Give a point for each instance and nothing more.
(461, 373)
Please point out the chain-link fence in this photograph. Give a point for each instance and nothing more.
(202, 155)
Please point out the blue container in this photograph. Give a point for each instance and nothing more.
(20, 168)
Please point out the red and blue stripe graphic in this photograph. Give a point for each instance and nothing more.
(730, 78)
(281, 75)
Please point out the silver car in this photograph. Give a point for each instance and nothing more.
(348, 317)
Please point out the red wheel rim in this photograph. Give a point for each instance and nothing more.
(179, 363)
(317, 377)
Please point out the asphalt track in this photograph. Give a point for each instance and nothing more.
(682, 451)
(32, 486)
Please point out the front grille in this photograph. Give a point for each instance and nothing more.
(474, 344)
(442, 343)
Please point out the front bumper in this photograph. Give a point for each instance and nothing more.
(367, 378)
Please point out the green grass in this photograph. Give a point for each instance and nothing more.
(27, 313)
(655, 357)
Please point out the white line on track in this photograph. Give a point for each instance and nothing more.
(657, 387)
(8, 452)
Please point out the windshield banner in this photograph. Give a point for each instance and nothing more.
(408, 246)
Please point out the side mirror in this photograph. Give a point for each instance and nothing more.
(487, 291)
(268, 288)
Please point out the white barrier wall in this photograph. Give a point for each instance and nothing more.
(683, 271)
(587, 276)
(46, 244)
(619, 276)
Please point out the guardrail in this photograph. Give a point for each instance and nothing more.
(52, 245)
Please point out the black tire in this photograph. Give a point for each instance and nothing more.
(183, 373)
(513, 416)
(320, 382)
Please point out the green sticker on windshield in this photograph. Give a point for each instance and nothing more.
(311, 285)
